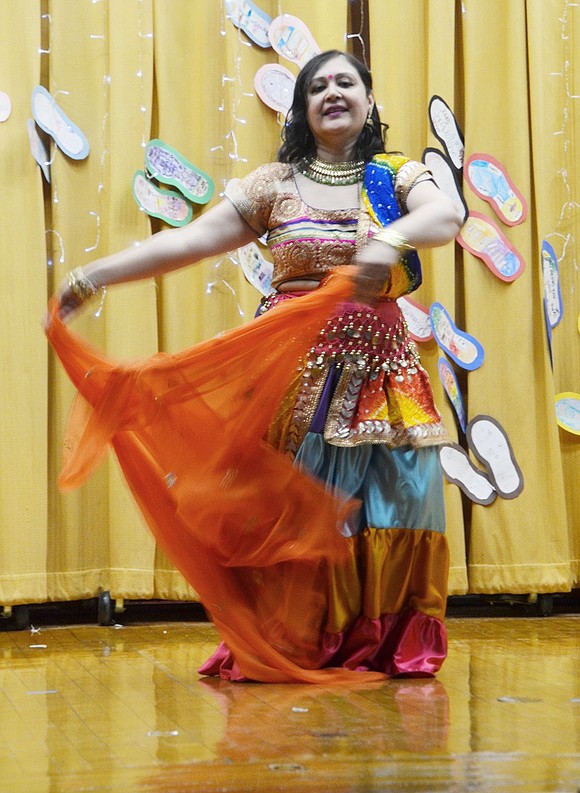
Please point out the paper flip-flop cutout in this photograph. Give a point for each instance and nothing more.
(5, 106)
(274, 85)
(38, 148)
(417, 318)
(49, 117)
(484, 239)
(170, 167)
(446, 178)
(254, 22)
(489, 443)
(256, 269)
(291, 39)
(459, 470)
(163, 204)
(446, 130)
(568, 411)
(552, 291)
(451, 386)
(461, 347)
(489, 179)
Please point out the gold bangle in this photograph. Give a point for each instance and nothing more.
(394, 238)
(81, 286)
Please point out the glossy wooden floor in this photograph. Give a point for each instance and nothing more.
(121, 709)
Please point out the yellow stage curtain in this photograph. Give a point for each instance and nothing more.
(126, 72)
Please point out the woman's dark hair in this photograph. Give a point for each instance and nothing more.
(298, 140)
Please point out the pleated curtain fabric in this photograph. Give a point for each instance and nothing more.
(179, 70)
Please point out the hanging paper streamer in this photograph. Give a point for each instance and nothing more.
(446, 130)
(256, 269)
(552, 291)
(274, 85)
(446, 178)
(461, 347)
(170, 167)
(417, 319)
(568, 411)
(490, 180)
(451, 386)
(65, 133)
(250, 19)
(291, 39)
(484, 239)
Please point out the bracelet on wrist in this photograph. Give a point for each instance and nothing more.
(394, 239)
(81, 286)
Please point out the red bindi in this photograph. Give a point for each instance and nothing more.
(330, 76)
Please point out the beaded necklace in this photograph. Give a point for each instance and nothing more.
(332, 173)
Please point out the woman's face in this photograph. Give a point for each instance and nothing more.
(337, 103)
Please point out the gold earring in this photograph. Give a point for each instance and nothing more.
(369, 122)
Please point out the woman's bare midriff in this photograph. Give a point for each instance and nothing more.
(299, 285)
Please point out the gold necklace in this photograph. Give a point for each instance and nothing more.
(332, 173)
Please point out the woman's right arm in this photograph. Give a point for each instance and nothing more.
(216, 231)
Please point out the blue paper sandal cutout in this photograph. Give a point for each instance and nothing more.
(460, 346)
(65, 133)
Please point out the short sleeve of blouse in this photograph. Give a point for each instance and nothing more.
(407, 177)
(255, 194)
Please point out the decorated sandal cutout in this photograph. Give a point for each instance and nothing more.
(291, 39)
(552, 291)
(489, 443)
(251, 20)
(447, 131)
(461, 347)
(49, 117)
(256, 269)
(5, 106)
(38, 148)
(490, 180)
(483, 238)
(451, 386)
(163, 204)
(460, 471)
(274, 85)
(446, 178)
(417, 318)
(170, 167)
(568, 411)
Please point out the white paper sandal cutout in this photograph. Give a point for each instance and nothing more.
(463, 348)
(254, 22)
(489, 179)
(5, 106)
(256, 269)
(38, 148)
(451, 386)
(446, 178)
(489, 443)
(459, 470)
(291, 39)
(568, 411)
(65, 133)
(274, 85)
(170, 167)
(446, 130)
(417, 318)
(163, 204)
(484, 239)
(552, 291)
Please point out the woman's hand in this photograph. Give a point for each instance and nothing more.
(373, 271)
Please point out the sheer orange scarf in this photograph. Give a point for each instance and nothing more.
(188, 431)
